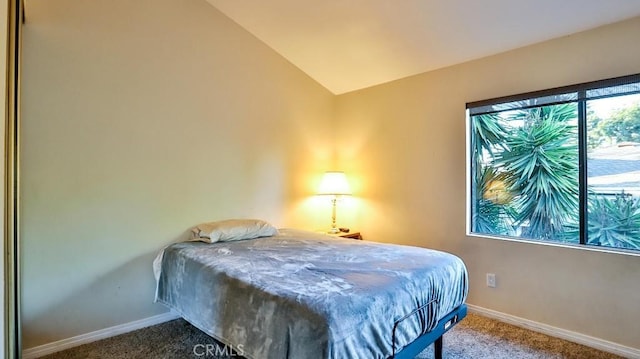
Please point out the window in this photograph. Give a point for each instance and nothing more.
(560, 165)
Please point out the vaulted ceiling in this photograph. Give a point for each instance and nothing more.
(347, 45)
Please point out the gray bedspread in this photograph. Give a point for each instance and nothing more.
(306, 295)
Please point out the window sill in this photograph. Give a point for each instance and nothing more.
(628, 252)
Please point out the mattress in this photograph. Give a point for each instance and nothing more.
(306, 295)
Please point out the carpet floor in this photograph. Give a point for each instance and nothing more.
(474, 337)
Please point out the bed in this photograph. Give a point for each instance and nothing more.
(301, 294)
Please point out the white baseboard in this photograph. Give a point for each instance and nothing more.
(596, 343)
(63, 344)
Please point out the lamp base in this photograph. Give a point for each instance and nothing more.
(334, 231)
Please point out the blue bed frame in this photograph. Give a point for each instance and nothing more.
(433, 335)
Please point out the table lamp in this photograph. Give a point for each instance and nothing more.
(334, 184)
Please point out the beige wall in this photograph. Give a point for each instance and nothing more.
(140, 119)
(404, 145)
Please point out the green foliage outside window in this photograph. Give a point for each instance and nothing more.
(537, 161)
(614, 222)
(525, 176)
(622, 126)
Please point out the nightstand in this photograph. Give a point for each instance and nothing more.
(352, 235)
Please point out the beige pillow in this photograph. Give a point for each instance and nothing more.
(233, 230)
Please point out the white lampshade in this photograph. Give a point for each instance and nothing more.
(334, 183)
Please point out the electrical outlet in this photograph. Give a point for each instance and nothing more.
(491, 280)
